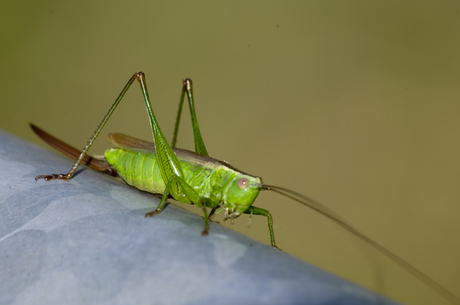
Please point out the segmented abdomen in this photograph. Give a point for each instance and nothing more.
(140, 170)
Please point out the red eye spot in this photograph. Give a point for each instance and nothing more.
(243, 183)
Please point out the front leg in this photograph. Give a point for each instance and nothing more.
(259, 211)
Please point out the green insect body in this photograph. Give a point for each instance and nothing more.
(215, 182)
(194, 177)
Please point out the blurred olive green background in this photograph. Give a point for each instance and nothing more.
(353, 103)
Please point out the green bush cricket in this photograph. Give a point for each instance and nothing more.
(194, 177)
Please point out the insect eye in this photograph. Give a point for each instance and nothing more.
(243, 183)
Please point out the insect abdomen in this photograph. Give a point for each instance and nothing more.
(140, 170)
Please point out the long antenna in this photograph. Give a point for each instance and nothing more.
(323, 210)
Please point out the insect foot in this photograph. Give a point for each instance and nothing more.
(151, 214)
(205, 232)
(52, 177)
(276, 247)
